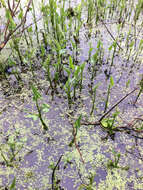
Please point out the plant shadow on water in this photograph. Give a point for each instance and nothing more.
(71, 95)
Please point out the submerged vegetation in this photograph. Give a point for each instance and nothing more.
(71, 86)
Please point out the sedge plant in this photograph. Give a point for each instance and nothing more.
(91, 8)
(75, 79)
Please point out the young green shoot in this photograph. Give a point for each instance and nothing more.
(131, 46)
(90, 51)
(82, 66)
(108, 123)
(30, 31)
(46, 66)
(114, 46)
(67, 89)
(111, 84)
(13, 184)
(93, 98)
(36, 97)
(76, 127)
(13, 147)
(114, 164)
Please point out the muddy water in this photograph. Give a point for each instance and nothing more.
(40, 151)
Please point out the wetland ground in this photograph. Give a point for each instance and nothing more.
(71, 109)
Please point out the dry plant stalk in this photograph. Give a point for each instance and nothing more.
(13, 10)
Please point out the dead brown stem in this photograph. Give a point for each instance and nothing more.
(8, 36)
(115, 105)
(54, 170)
(111, 35)
(131, 124)
(76, 145)
(104, 115)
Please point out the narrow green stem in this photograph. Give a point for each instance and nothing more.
(45, 127)
(107, 99)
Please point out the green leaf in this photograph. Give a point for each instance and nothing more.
(95, 57)
(73, 44)
(12, 24)
(77, 122)
(12, 186)
(71, 143)
(77, 71)
(11, 139)
(114, 44)
(104, 122)
(99, 44)
(131, 44)
(61, 31)
(30, 29)
(51, 166)
(128, 83)
(30, 9)
(107, 122)
(20, 16)
(33, 116)
(45, 107)
(3, 3)
(67, 70)
(110, 48)
(71, 63)
(62, 51)
(36, 94)
(116, 114)
(8, 16)
(11, 62)
(58, 46)
(42, 50)
(95, 87)
(82, 66)
(111, 81)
